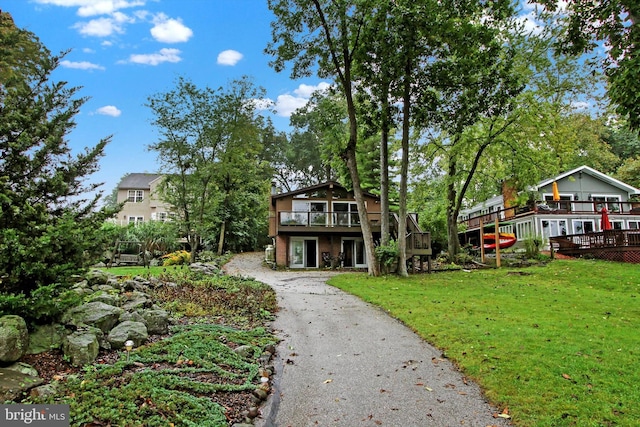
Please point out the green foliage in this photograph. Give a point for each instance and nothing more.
(387, 254)
(211, 147)
(532, 245)
(48, 228)
(556, 344)
(176, 258)
(44, 304)
(177, 384)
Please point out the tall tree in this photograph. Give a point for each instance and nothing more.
(210, 146)
(48, 215)
(322, 36)
(617, 24)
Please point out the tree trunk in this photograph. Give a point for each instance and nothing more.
(194, 242)
(221, 237)
(372, 263)
(385, 229)
(453, 243)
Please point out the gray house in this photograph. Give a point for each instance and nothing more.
(576, 208)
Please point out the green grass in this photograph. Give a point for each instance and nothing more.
(138, 270)
(558, 345)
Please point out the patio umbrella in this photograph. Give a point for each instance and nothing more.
(604, 221)
(556, 193)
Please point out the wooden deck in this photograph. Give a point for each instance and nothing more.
(612, 245)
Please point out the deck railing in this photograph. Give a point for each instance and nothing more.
(323, 219)
(562, 207)
(599, 240)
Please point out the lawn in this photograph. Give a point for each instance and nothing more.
(557, 345)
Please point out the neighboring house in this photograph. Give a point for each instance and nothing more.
(319, 226)
(140, 192)
(583, 192)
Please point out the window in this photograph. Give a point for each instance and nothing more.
(524, 230)
(136, 219)
(345, 214)
(554, 227)
(611, 202)
(135, 196)
(634, 225)
(561, 204)
(581, 226)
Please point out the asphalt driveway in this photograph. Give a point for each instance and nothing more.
(343, 362)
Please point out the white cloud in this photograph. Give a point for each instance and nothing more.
(82, 65)
(88, 50)
(229, 57)
(168, 30)
(109, 110)
(101, 27)
(286, 104)
(95, 7)
(306, 91)
(164, 55)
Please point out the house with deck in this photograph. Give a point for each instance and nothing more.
(573, 208)
(319, 226)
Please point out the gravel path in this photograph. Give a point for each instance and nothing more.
(343, 362)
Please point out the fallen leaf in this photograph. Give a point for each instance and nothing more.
(566, 376)
(428, 388)
(504, 415)
(328, 381)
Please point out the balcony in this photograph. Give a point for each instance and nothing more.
(563, 207)
(296, 220)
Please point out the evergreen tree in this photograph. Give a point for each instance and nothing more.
(48, 225)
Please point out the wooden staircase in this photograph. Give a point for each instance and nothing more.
(418, 241)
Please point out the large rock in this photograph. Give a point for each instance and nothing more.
(135, 300)
(128, 330)
(97, 277)
(14, 338)
(81, 347)
(45, 338)
(157, 321)
(105, 297)
(98, 314)
(13, 383)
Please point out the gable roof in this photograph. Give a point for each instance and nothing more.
(327, 184)
(139, 181)
(594, 173)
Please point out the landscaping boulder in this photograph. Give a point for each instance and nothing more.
(107, 298)
(14, 338)
(133, 316)
(128, 330)
(135, 300)
(97, 277)
(45, 338)
(97, 314)
(157, 321)
(81, 347)
(13, 382)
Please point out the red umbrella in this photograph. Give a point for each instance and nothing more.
(604, 221)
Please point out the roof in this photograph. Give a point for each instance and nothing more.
(327, 184)
(138, 181)
(596, 174)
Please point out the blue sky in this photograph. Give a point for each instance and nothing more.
(123, 51)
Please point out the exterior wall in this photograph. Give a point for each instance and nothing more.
(150, 208)
(582, 186)
(327, 240)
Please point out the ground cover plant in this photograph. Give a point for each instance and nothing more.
(191, 377)
(554, 345)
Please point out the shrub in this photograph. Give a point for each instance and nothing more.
(176, 258)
